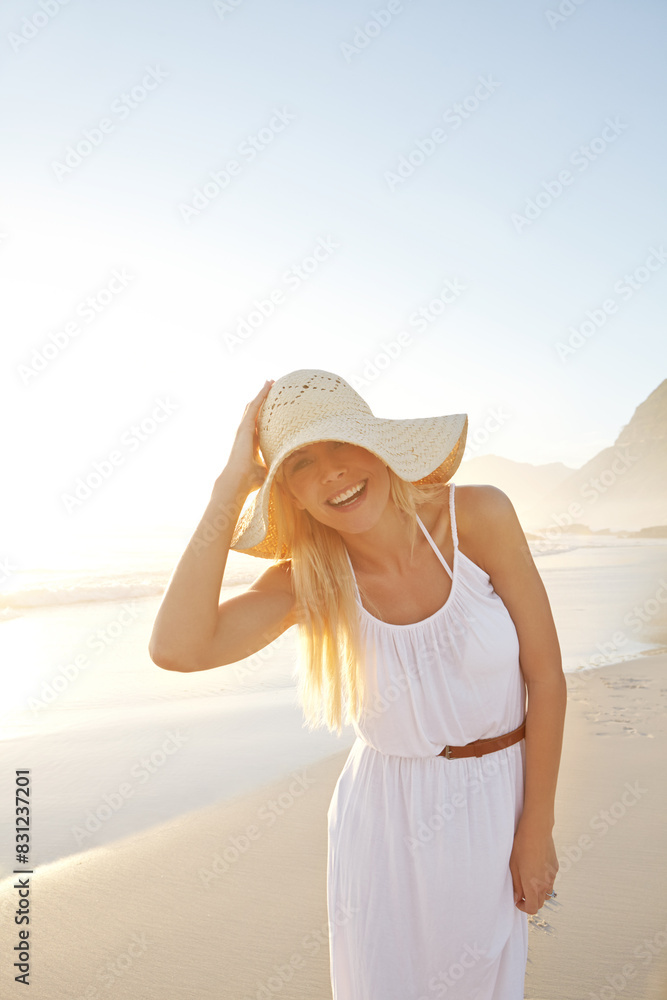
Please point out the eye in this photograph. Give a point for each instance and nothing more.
(300, 462)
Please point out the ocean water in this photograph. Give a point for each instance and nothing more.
(608, 598)
(115, 745)
(73, 642)
(77, 638)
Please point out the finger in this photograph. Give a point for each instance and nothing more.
(533, 898)
(529, 905)
(257, 401)
(261, 396)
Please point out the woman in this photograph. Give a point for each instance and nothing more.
(440, 824)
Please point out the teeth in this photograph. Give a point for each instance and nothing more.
(345, 496)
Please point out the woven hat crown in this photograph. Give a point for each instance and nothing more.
(301, 399)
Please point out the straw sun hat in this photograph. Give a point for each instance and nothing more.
(310, 405)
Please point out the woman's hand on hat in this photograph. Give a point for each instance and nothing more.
(245, 461)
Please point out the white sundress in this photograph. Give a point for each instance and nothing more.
(419, 891)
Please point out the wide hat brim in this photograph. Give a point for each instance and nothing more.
(421, 450)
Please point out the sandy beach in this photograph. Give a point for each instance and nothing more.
(331, 244)
(230, 900)
(179, 830)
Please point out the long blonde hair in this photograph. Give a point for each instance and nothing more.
(330, 679)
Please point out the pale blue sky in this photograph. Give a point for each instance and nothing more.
(321, 180)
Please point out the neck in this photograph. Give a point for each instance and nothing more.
(385, 548)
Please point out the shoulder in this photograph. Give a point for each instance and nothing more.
(481, 504)
(486, 522)
(473, 505)
(488, 525)
(504, 554)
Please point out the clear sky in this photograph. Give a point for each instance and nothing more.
(373, 161)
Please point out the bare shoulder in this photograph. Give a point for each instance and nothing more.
(480, 502)
(487, 524)
(483, 514)
(491, 536)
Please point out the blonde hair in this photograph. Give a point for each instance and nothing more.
(330, 678)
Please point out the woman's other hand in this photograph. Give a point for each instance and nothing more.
(534, 866)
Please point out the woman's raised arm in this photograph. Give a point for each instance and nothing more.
(192, 630)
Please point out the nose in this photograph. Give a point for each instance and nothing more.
(332, 470)
(332, 465)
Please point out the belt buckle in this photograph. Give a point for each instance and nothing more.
(447, 752)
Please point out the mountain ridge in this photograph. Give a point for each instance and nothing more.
(621, 489)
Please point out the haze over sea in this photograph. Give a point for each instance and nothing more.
(101, 607)
(86, 708)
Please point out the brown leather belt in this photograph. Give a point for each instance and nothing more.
(480, 747)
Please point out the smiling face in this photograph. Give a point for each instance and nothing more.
(317, 475)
